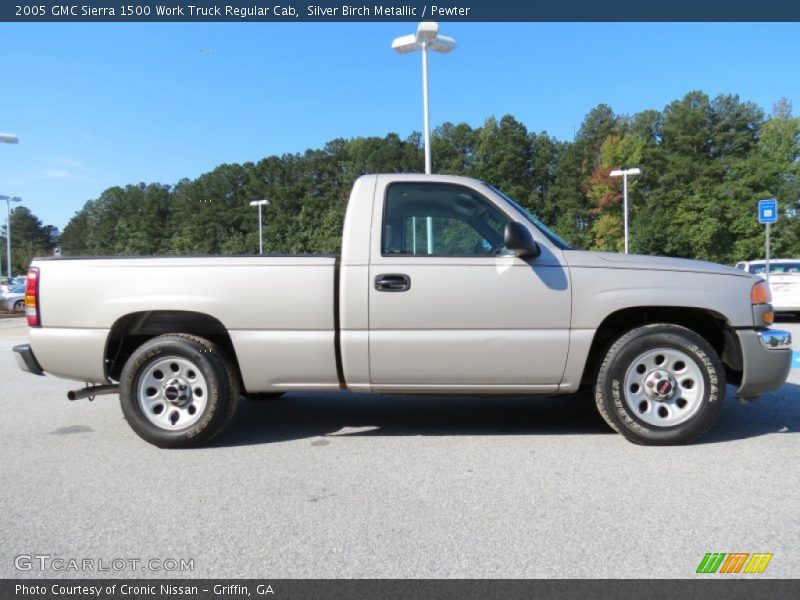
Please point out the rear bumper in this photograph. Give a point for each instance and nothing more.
(766, 360)
(26, 360)
(785, 301)
(786, 305)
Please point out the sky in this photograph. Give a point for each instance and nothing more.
(104, 104)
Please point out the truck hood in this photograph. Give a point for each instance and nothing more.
(611, 260)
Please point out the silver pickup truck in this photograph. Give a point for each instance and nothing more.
(444, 286)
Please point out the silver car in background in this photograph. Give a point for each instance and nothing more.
(13, 299)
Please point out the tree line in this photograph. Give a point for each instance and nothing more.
(705, 164)
(29, 238)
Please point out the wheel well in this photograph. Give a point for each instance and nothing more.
(711, 326)
(131, 331)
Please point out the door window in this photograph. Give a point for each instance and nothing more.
(440, 219)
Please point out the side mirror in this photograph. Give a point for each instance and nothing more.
(520, 241)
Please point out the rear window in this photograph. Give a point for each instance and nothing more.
(792, 267)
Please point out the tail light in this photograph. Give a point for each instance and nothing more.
(32, 298)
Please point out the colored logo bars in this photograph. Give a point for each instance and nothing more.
(734, 562)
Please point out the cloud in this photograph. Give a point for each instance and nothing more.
(71, 163)
(63, 174)
(56, 173)
(67, 169)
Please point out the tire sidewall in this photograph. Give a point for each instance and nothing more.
(611, 385)
(213, 417)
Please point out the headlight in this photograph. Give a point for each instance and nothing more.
(761, 298)
(760, 293)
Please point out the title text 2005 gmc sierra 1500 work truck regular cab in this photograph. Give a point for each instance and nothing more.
(444, 285)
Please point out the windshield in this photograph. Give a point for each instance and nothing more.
(549, 233)
(784, 267)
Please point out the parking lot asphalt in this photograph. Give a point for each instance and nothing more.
(343, 485)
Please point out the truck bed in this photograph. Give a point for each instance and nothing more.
(265, 302)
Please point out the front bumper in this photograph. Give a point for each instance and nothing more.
(26, 360)
(766, 360)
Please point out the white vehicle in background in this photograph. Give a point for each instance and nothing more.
(784, 281)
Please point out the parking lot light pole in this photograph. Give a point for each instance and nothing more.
(9, 138)
(9, 200)
(427, 39)
(259, 204)
(624, 174)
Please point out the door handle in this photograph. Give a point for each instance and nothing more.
(392, 282)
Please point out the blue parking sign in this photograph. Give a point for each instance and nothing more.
(768, 210)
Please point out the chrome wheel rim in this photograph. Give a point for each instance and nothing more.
(172, 393)
(664, 387)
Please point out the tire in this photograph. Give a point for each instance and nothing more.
(660, 385)
(264, 396)
(178, 391)
(19, 305)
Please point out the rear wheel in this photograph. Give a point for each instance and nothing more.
(660, 384)
(19, 305)
(178, 391)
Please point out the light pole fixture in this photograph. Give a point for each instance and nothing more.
(9, 200)
(427, 39)
(259, 204)
(8, 138)
(624, 174)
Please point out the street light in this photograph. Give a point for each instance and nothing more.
(9, 138)
(9, 200)
(426, 39)
(624, 174)
(259, 204)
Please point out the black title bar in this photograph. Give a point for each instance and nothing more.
(402, 10)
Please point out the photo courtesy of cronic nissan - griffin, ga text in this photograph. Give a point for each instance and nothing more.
(444, 285)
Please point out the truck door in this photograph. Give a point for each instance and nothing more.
(449, 308)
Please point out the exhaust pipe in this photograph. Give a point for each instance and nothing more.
(92, 391)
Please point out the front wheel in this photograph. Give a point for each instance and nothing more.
(660, 384)
(178, 391)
